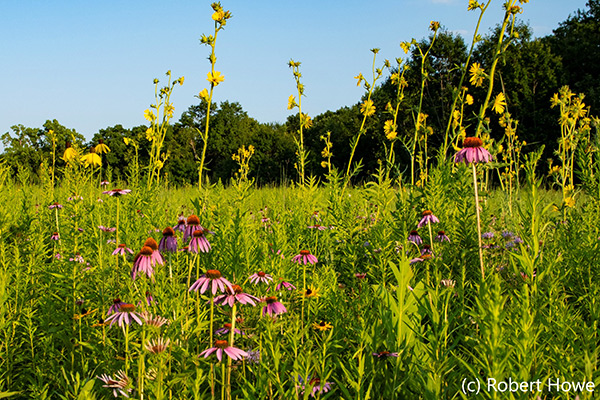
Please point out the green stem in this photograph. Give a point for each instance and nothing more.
(478, 222)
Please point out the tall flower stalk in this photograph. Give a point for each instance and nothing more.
(420, 120)
(509, 19)
(367, 108)
(159, 117)
(214, 77)
(459, 93)
(305, 121)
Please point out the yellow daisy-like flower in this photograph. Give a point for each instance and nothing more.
(405, 47)
(101, 148)
(434, 25)
(473, 4)
(92, 159)
(305, 121)
(322, 326)
(469, 99)
(150, 134)
(291, 102)
(367, 108)
(84, 313)
(477, 74)
(499, 103)
(70, 154)
(204, 95)
(359, 78)
(149, 115)
(215, 78)
(389, 129)
(310, 292)
(218, 15)
(570, 202)
(324, 164)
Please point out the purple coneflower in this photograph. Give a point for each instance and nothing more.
(361, 275)
(472, 152)
(149, 299)
(273, 307)
(441, 237)
(124, 315)
(156, 257)
(143, 262)
(117, 192)
(199, 243)
(260, 277)
(385, 354)
(106, 229)
(120, 384)
(122, 249)
(424, 257)
(156, 321)
(226, 329)
(104, 183)
(168, 241)
(222, 346)
(415, 238)
(426, 250)
(305, 258)
(318, 227)
(428, 218)
(214, 276)
(236, 294)
(193, 223)
(55, 236)
(285, 285)
(315, 384)
(157, 346)
(115, 306)
(180, 224)
(448, 283)
(55, 205)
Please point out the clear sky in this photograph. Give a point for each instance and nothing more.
(91, 65)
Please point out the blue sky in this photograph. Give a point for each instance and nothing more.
(91, 65)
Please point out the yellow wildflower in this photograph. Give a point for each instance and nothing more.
(324, 164)
(322, 326)
(218, 16)
(204, 95)
(405, 46)
(101, 147)
(389, 129)
(310, 292)
(469, 99)
(473, 4)
(477, 74)
(291, 102)
(149, 115)
(367, 108)
(305, 121)
(150, 134)
(499, 103)
(360, 78)
(434, 25)
(70, 153)
(92, 159)
(215, 78)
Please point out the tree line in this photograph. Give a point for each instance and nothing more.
(530, 71)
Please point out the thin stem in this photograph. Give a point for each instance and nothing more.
(478, 221)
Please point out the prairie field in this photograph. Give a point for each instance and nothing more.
(424, 243)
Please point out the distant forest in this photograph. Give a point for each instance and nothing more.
(529, 73)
